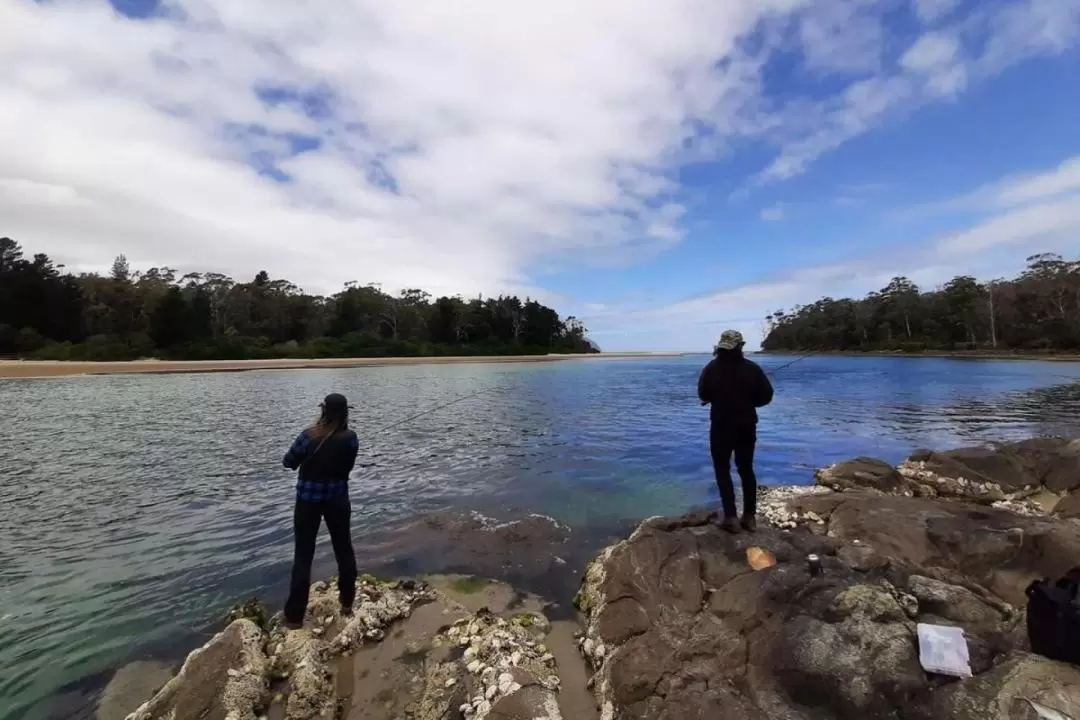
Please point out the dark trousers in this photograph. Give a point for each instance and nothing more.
(740, 440)
(306, 519)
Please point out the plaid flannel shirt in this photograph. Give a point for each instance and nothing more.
(314, 489)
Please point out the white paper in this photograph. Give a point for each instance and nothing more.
(944, 650)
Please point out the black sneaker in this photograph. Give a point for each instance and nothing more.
(749, 523)
(730, 524)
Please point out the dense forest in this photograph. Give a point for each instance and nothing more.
(1037, 311)
(46, 313)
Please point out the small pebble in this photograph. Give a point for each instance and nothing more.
(451, 683)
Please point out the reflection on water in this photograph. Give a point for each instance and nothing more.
(136, 508)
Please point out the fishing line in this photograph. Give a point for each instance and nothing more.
(430, 410)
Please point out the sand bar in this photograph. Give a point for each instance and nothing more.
(28, 369)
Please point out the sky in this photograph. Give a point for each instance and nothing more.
(661, 169)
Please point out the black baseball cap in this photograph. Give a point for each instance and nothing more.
(336, 401)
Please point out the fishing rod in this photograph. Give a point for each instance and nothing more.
(778, 368)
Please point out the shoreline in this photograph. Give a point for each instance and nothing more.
(41, 369)
(931, 354)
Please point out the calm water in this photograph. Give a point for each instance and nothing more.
(136, 508)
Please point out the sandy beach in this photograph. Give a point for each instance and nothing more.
(31, 369)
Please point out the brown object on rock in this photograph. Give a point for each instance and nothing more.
(759, 558)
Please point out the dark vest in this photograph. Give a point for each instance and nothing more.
(332, 461)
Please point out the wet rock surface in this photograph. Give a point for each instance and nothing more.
(1028, 477)
(680, 626)
(226, 679)
(454, 647)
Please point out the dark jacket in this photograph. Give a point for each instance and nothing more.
(735, 387)
(319, 461)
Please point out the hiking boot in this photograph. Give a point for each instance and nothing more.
(730, 524)
(346, 611)
(749, 523)
(293, 624)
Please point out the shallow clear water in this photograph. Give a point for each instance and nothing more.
(135, 508)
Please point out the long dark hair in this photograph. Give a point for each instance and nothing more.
(334, 419)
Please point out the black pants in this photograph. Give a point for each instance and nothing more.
(306, 519)
(740, 440)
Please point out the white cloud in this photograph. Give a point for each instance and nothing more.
(1024, 215)
(1014, 191)
(773, 213)
(931, 11)
(938, 66)
(1029, 28)
(458, 145)
(1041, 186)
(1043, 225)
(449, 146)
(936, 56)
(843, 36)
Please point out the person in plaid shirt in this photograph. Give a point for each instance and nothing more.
(323, 456)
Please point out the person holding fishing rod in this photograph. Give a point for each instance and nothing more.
(735, 387)
(323, 456)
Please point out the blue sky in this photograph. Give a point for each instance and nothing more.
(662, 170)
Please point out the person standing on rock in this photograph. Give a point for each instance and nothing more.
(735, 387)
(323, 455)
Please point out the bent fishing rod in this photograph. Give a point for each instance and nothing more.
(778, 368)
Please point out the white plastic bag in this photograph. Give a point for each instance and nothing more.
(944, 650)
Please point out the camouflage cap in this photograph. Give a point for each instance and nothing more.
(730, 339)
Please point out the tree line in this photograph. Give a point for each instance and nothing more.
(1036, 311)
(47, 313)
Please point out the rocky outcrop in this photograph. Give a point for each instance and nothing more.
(226, 679)
(1032, 477)
(1069, 506)
(456, 648)
(504, 669)
(1025, 687)
(245, 669)
(865, 473)
(679, 625)
(992, 547)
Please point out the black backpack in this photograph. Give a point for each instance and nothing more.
(1053, 617)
